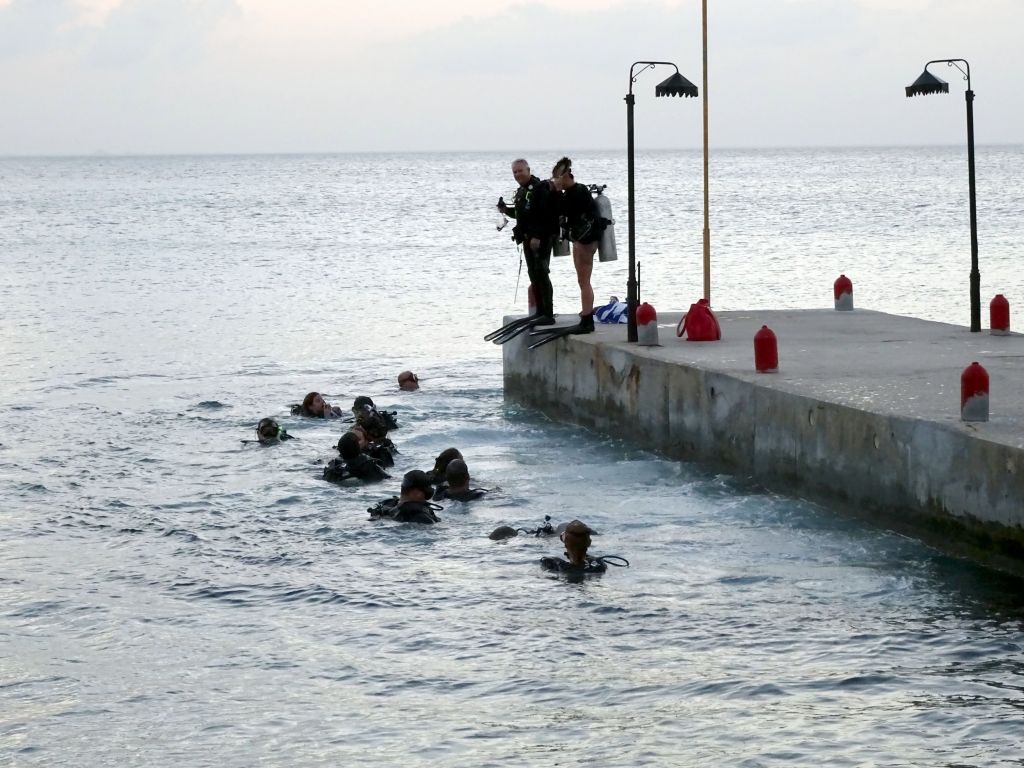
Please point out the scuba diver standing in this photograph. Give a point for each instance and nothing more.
(585, 226)
(535, 210)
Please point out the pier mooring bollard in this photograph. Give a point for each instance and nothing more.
(646, 326)
(842, 288)
(766, 351)
(974, 393)
(999, 316)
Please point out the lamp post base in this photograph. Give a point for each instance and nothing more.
(631, 302)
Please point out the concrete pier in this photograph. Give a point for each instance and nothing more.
(864, 411)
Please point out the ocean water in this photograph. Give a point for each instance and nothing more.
(170, 595)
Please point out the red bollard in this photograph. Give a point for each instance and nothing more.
(766, 351)
(646, 326)
(999, 316)
(974, 393)
(842, 288)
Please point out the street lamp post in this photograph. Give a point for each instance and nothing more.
(675, 85)
(929, 83)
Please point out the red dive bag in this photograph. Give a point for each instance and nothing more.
(699, 323)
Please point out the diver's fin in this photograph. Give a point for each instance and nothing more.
(512, 324)
(555, 329)
(511, 334)
(560, 333)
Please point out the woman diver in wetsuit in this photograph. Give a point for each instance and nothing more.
(585, 226)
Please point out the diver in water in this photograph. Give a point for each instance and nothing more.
(353, 464)
(372, 428)
(457, 484)
(383, 452)
(408, 381)
(412, 506)
(576, 538)
(314, 406)
(585, 226)
(444, 458)
(377, 423)
(268, 432)
(503, 532)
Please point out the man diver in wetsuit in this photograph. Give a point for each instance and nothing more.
(353, 463)
(457, 487)
(576, 538)
(413, 505)
(536, 213)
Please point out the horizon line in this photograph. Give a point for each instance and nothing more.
(305, 153)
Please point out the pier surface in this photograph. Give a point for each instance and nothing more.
(864, 410)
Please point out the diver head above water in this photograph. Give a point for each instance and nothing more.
(269, 431)
(377, 423)
(349, 446)
(576, 538)
(313, 404)
(361, 403)
(456, 474)
(408, 381)
(416, 486)
(444, 458)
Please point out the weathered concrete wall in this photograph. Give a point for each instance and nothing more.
(941, 480)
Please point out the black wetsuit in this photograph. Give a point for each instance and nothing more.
(383, 452)
(585, 224)
(536, 215)
(374, 424)
(362, 468)
(558, 565)
(406, 512)
(470, 494)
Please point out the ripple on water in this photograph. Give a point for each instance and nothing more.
(171, 595)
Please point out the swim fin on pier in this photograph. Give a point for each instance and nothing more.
(547, 335)
(507, 327)
(510, 330)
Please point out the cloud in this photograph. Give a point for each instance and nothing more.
(787, 72)
(29, 27)
(110, 34)
(316, 75)
(140, 32)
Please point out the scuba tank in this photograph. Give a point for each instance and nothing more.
(606, 245)
(561, 245)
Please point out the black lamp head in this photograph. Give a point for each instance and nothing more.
(927, 83)
(676, 85)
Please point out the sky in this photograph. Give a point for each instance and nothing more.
(208, 76)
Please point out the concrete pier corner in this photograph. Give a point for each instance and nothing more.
(864, 411)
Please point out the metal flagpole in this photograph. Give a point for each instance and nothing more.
(707, 217)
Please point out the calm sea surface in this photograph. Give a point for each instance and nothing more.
(170, 596)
